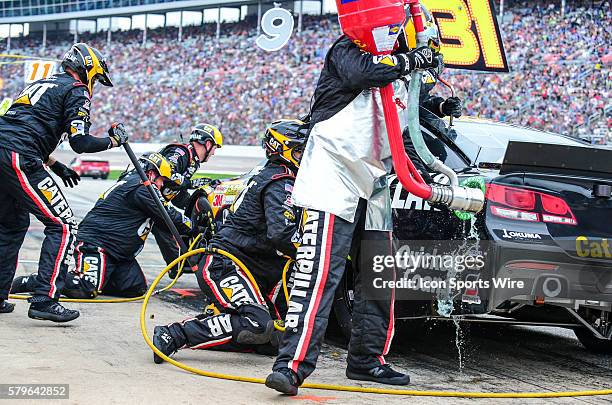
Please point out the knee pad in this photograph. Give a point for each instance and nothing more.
(253, 325)
(78, 287)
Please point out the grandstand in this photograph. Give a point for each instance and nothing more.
(169, 77)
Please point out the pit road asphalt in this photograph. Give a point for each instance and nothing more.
(104, 359)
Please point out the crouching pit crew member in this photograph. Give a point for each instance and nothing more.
(260, 231)
(186, 159)
(113, 233)
(47, 112)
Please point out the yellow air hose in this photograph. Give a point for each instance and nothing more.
(329, 387)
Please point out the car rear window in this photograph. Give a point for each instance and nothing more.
(487, 141)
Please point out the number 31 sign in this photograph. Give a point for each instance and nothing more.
(277, 25)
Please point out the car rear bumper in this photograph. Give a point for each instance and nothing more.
(547, 275)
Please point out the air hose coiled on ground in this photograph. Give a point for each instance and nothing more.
(329, 387)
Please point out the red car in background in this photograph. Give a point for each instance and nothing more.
(91, 167)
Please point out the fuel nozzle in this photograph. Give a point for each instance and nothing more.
(458, 198)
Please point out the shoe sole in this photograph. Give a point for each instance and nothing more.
(278, 381)
(403, 380)
(45, 316)
(247, 337)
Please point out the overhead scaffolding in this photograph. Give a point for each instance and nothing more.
(300, 16)
(218, 23)
(44, 36)
(144, 31)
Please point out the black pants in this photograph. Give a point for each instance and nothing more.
(236, 297)
(27, 188)
(121, 278)
(166, 243)
(327, 241)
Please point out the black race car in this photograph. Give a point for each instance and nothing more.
(544, 235)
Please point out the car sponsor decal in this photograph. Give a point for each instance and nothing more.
(598, 248)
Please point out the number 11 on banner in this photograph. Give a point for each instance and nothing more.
(38, 69)
(277, 25)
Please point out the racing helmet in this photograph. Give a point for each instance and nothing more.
(159, 164)
(284, 139)
(408, 39)
(204, 132)
(89, 64)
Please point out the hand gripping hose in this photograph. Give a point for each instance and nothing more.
(329, 387)
(454, 196)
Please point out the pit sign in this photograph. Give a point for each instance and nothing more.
(471, 38)
(38, 69)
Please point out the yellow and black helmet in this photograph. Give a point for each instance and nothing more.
(408, 40)
(204, 132)
(159, 164)
(284, 139)
(89, 64)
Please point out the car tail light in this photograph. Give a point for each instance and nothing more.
(521, 205)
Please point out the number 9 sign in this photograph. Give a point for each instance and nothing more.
(275, 36)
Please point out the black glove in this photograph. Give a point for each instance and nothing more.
(203, 181)
(421, 58)
(69, 176)
(118, 134)
(452, 106)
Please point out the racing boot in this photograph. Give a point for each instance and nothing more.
(6, 307)
(164, 342)
(383, 374)
(253, 326)
(45, 309)
(23, 284)
(284, 380)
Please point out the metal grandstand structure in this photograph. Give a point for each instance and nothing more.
(44, 16)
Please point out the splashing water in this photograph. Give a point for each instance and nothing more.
(459, 342)
(445, 297)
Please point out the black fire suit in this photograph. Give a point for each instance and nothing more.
(113, 233)
(45, 113)
(259, 232)
(327, 240)
(185, 164)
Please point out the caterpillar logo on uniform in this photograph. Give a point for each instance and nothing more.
(219, 325)
(91, 268)
(51, 192)
(237, 294)
(305, 264)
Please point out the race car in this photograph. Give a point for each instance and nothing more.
(92, 167)
(544, 237)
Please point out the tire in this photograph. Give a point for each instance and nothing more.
(592, 343)
(104, 176)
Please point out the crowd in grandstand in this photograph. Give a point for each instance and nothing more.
(560, 80)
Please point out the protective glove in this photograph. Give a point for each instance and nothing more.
(420, 58)
(69, 176)
(117, 134)
(203, 181)
(452, 106)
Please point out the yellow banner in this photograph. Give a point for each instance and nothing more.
(471, 38)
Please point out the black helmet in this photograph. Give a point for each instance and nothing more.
(203, 132)
(283, 139)
(89, 64)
